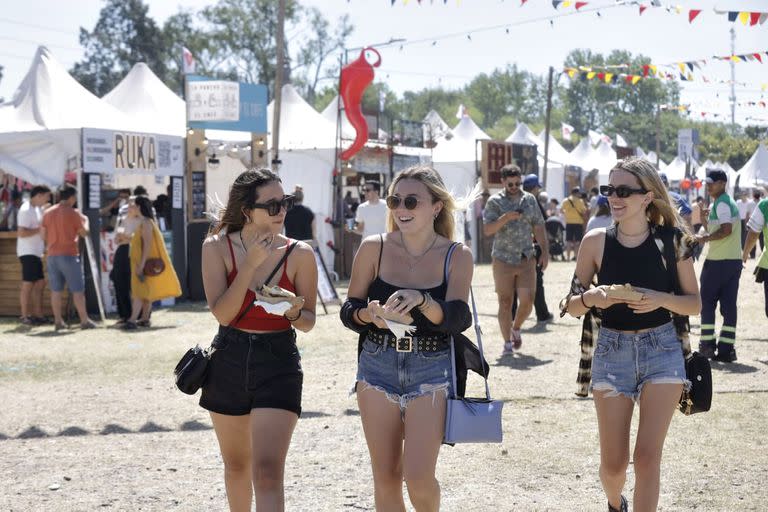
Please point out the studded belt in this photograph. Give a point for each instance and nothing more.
(427, 343)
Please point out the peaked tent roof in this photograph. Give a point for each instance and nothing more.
(434, 126)
(146, 99)
(524, 135)
(755, 171)
(460, 144)
(676, 169)
(331, 113)
(557, 153)
(301, 126)
(605, 157)
(583, 155)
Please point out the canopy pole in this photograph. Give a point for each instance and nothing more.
(280, 36)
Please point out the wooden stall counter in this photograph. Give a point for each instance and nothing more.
(10, 278)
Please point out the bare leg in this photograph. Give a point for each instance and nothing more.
(146, 310)
(271, 431)
(525, 306)
(137, 304)
(383, 428)
(56, 307)
(614, 416)
(37, 298)
(79, 299)
(505, 315)
(657, 405)
(24, 296)
(424, 426)
(234, 435)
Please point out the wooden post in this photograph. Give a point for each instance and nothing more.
(546, 128)
(278, 85)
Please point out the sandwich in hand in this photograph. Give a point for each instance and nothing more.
(623, 292)
(275, 295)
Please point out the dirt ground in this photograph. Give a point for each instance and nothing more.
(92, 421)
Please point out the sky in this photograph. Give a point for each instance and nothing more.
(447, 44)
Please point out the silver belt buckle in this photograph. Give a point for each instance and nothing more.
(404, 344)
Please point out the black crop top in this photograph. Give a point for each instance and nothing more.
(641, 266)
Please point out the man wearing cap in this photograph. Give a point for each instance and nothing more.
(758, 222)
(722, 269)
(574, 210)
(512, 216)
(531, 185)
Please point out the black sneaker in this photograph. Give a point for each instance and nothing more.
(624, 507)
(725, 353)
(707, 349)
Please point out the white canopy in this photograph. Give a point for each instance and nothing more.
(606, 158)
(755, 171)
(459, 145)
(434, 126)
(146, 99)
(557, 153)
(524, 135)
(676, 169)
(583, 155)
(331, 113)
(40, 126)
(301, 126)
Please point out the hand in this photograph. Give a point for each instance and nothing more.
(375, 311)
(544, 260)
(403, 301)
(702, 239)
(511, 216)
(598, 297)
(651, 301)
(139, 270)
(298, 303)
(258, 248)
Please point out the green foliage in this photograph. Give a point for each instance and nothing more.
(123, 36)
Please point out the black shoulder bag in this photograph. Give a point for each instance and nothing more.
(191, 370)
(697, 368)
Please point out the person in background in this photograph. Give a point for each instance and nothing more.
(602, 217)
(553, 210)
(112, 210)
(575, 211)
(696, 221)
(371, 215)
(61, 228)
(9, 217)
(721, 271)
(147, 242)
(121, 263)
(300, 220)
(757, 196)
(756, 226)
(681, 204)
(513, 217)
(30, 248)
(746, 206)
(594, 195)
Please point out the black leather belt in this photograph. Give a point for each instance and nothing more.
(427, 343)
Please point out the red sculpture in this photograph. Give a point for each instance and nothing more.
(355, 78)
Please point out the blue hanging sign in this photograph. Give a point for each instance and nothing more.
(223, 105)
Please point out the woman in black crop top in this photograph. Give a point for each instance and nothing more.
(413, 274)
(638, 356)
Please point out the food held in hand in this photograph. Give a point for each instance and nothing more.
(623, 292)
(275, 294)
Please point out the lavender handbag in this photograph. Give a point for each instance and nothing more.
(472, 420)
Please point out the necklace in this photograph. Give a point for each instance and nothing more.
(627, 235)
(416, 259)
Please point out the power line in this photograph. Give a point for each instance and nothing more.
(37, 43)
(31, 25)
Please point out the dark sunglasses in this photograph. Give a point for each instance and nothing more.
(621, 191)
(410, 202)
(367, 190)
(513, 184)
(273, 206)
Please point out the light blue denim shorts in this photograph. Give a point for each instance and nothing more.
(65, 269)
(403, 376)
(624, 362)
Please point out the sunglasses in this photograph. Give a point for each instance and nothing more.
(367, 190)
(513, 184)
(410, 202)
(621, 191)
(273, 206)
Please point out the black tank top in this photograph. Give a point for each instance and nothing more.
(641, 266)
(381, 290)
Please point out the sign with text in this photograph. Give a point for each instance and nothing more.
(496, 154)
(220, 105)
(115, 152)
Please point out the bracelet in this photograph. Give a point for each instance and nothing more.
(581, 298)
(427, 298)
(292, 319)
(356, 313)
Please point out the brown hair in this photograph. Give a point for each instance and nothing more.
(242, 196)
(510, 170)
(444, 223)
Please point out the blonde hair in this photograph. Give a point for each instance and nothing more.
(660, 211)
(444, 223)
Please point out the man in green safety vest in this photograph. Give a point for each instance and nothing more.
(758, 222)
(722, 270)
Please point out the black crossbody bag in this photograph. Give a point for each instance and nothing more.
(192, 369)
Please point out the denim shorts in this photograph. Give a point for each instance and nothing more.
(403, 376)
(65, 270)
(624, 362)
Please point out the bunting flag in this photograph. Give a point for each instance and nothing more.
(642, 8)
(692, 14)
(188, 63)
(567, 130)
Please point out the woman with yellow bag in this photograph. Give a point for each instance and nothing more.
(153, 277)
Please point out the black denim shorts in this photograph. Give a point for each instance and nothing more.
(253, 371)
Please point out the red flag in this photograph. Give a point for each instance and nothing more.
(758, 57)
(522, 2)
(754, 17)
(646, 68)
(628, 79)
(601, 76)
(692, 14)
(642, 8)
(579, 5)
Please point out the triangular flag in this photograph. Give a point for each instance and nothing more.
(591, 75)
(692, 14)
(758, 57)
(571, 72)
(744, 17)
(620, 142)
(653, 69)
(567, 130)
(735, 58)
(690, 77)
(754, 18)
(646, 69)
(608, 77)
(732, 15)
(642, 8)
(681, 65)
(601, 76)
(556, 3)
(763, 17)
(522, 2)
(682, 77)
(188, 64)
(690, 65)
(635, 79)
(566, 3)
(579, 5)
(628, 79)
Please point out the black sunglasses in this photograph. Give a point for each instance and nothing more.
(410, 202)
(367, 190)
(621, 191)
(512, 184)
(273, 206)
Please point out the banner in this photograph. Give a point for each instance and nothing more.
(116, 152)
(221, 105)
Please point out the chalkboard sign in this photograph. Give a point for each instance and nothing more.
(496, 155)
(198, 195)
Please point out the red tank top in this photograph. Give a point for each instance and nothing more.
(257, 319)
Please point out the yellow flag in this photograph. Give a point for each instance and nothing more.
(744, 17)
(591, 75)
(635, 79)
(608, 77)
(566, 3)
(735, 58)
(571, 72)
(653, 69)
(681, 65)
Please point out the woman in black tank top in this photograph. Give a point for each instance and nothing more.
(414, 275)
(638, 356)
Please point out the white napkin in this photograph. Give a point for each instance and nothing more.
(278, 309)
(398, 329)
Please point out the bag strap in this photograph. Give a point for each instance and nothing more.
(478, 333)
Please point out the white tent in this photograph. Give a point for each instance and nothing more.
(524, 135)
(454, 158)
(605, 158)
(331, 113)
(583, 155)
(557, 159)
(675, 171)
(40, 127)
(434, 126)
(755, 171)
(146, 99)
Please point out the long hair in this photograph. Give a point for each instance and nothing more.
(660, 211)
(444, 223)
(242, 196)
(145, 206)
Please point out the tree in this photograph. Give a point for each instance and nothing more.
(123, 36)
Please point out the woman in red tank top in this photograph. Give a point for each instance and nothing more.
(254, 383)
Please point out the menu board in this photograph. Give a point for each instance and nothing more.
(496, 155)
(198, 195)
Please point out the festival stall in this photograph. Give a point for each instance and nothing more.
(557, 161)
(755, 171)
